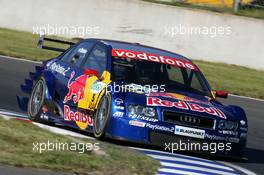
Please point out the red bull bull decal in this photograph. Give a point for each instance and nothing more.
(82, 119)
(76, 88)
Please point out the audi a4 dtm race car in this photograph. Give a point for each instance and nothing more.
(132, 92)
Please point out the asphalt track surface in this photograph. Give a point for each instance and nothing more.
(13, 72)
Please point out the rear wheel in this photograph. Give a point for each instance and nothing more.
(102, 117)
(36, 100)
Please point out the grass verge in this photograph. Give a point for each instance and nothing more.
(16, 148)
(234, 79)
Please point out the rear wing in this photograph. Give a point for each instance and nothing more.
(41, 45)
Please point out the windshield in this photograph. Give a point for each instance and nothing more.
(173, 78)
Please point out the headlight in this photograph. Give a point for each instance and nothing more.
(228, 125)
(137, 109)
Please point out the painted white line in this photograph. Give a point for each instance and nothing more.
(13, 114)
(6, 117)
(19, 59)
(190, 161)
(167, 170)
(56, 130)
(249, 98)
(244, 170)
(173, 154)
(191, 167)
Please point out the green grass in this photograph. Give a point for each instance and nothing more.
(234, 79)
(16, 148)
(22, 45)
(248, 12)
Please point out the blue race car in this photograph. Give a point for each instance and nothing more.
(136, 93)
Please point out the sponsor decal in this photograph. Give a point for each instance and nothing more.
(174, 96)
(137, 123)
(118, 101)
(155, 101)
(160, 128)
(119, 107)
(227, 132)
(141, 117)
(75, 88)
(155, 58)
(44, 116)
(242, 122)
(215, 137)
(221, 138)
(82, 50)
(97, 87)
(118, 114)
(82, 119)
(58, 68)
(233, 139)
(189, 132)
(243, 129)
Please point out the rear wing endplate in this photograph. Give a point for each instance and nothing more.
(41, 45)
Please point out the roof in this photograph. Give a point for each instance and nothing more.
(137, 47)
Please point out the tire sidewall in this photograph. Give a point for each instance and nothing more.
(37, 116)
(108, 116)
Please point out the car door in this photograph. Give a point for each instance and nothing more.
(96, 61)
(70, 84)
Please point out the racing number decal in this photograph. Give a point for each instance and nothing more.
(94, 91)
(86, 90)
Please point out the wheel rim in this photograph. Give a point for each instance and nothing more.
(101, 116)
(36, 99)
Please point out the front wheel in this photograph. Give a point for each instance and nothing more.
(36, 100)
(102, 117)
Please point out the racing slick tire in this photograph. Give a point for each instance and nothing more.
(102, 117)
(36, 100)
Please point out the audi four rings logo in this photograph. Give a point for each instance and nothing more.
(190, 119)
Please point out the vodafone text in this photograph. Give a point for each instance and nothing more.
(153, 57)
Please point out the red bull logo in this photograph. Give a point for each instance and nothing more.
(82, 119)
(154, 101)
(76, 88)
(174, 96)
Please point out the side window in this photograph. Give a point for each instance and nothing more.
(97, 60)
(66, 56)
(78, 53)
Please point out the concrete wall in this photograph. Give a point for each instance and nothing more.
(238, 41)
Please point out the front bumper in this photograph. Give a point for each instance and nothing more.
(162, 134)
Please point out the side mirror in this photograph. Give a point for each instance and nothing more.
(221, 94)
(91, 72)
